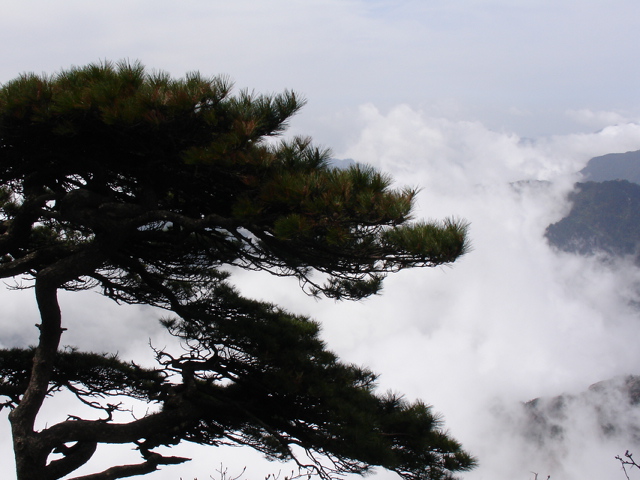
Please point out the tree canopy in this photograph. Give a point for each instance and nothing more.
(147, 189)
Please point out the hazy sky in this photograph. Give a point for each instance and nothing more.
(461, 98)
(534, 67)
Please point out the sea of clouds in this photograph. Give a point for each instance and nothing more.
(510, 321)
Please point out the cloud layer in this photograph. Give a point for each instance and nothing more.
(513, 320)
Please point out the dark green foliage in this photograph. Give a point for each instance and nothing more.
(110, 146)
(289, 390)
(605, 217)
(84, 374)
(146, 187)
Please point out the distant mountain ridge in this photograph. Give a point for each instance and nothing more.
(614, 166)
(605, 217)
(605, 213)
(613, 405)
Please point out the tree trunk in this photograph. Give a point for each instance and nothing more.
(31, 456)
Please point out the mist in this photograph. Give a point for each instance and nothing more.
(511, 321)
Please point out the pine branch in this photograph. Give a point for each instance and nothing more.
(123, 471)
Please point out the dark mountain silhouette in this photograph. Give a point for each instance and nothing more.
(605, 213)
(605, 217)
(614, 166)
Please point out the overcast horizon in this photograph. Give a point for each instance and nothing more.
(459, 99)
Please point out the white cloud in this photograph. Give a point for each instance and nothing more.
(598, 119)
(513, 320)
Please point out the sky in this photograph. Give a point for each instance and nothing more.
(462, 99)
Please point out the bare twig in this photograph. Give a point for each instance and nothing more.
(627, 461)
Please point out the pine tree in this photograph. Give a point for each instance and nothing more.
(145, 188)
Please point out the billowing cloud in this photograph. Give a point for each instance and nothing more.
(513, 320)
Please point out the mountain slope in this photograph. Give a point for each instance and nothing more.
(612, 406)
(614, 166)
(605, 217)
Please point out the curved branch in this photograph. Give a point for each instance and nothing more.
(103, 432)
(122, 471)
(35, 259)
(74, 458)
(209, 221)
